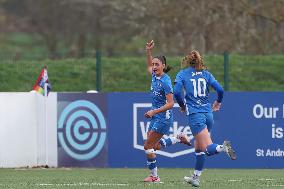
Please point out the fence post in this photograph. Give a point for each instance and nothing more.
(98, 71)
(226, 71)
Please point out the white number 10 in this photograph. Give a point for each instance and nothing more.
(200, 89)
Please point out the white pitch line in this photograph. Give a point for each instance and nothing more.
(266, 179)
(157, 182)
(234, 180)
(261, 179)
(82, 184)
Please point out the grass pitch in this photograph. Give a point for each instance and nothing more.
(132, 178)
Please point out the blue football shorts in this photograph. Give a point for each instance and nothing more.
(161, 126)
(199, 121)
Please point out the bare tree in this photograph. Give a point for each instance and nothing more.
(177, 26)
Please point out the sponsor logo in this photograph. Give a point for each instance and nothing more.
(82, 130)
(141, 124)
(196, 73)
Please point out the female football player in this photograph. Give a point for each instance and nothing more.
(161, 112)
(195, 79)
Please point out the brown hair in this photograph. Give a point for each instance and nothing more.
(193, 59)
(163, 59)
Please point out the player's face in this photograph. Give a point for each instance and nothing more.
(158, 67)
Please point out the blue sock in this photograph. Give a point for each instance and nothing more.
(151, 162)
(166, 142)
(199, 160)
(211, 149)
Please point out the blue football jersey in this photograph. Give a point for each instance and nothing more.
(160, 87)
(196, 85)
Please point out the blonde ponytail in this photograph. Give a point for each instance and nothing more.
(193, 59)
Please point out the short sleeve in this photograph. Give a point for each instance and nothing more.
(167, 87)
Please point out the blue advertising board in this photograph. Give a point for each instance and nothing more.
(252, 121)
(109, 130)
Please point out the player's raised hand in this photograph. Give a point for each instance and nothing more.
(150, 45)
(216, 106)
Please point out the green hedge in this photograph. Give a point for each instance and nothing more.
(247, 73)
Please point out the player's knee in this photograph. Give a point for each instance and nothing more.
(150, 151)
(200, 146)
(158, 146)
(148, 146)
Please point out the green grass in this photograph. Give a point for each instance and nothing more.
(64, 75)
(23, 55)
(132, 178)
(246, 73)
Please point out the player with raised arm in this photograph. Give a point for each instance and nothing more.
(161, 112)
(195, 79)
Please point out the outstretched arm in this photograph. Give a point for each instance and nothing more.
(149, 47)
(220, 91)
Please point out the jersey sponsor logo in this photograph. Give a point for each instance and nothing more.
(196, 73)
(156, 93)
(141, 124)
(157, 89)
